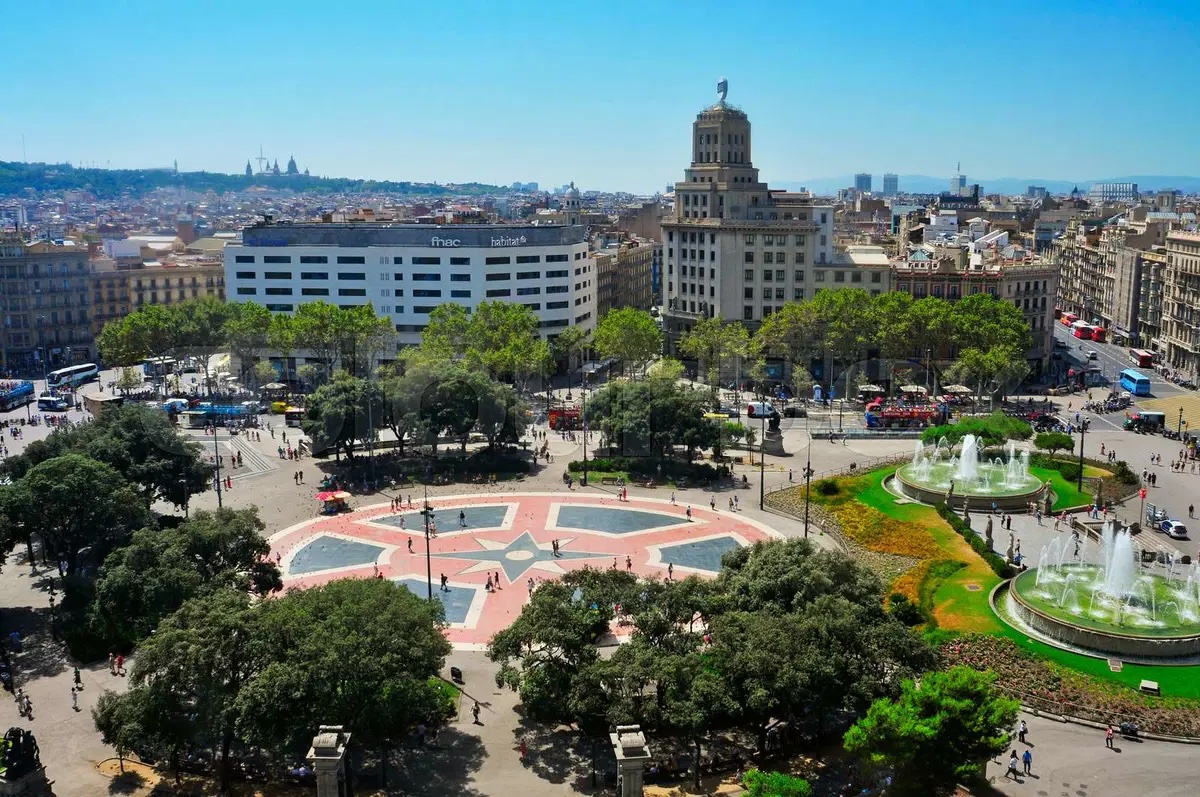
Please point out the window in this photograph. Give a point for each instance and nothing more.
(748, 313)
(313, 259)
(460, 277)
(278, 275)
(280, 308)
(767, 274)
(769, 240)
(556, 274)
(557, 305)
(246, 275)
(750, 239)
(856, 277)
(498, 292)
(278, 291)
(780, 275)
(243, 259)
(353, 275)
(799, 240)
(426, 293)
(799, 275)
(768, 257)
(749, 275)
(747, 293)
(352, 291)
(556, 258)
(798, 294)
(876, 278)
(839, 276)
(426, 261)
(779, 294)
(529, 259)
(799, 258)
(562, 322)
(497, 261)
(277, 258)
(529, 275)
(460, 294)
(314, 275)
(397, 261)
(748, 257)
(460, 261)
(423, 308)
(426, 277)
(397, 277)
(766, 293)
(500, 277)
(819, 276)
(247, 291)
(351, 260)
(399, 292)
(314, 291)
(528, 291)
(557, 288)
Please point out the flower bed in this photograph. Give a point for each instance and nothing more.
(1048, 686)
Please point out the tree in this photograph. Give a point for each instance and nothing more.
(281, 337)
(648, 417)
(994, 430)
(371, 643)
(666, 368)
(344, 412)
(320, 328)
(152, 331)
(1054, 442)
(503, 340)
(145, 581)
(73, 502)
(791, 333)
(568, 343)
(201, 330)
(444, 338)
(130, 380)
(365, 336)
(247, 329)
(989, 370)
(984, 321)
(785, 576)
(629, 335)
(774, 784)
(119, 721)
(713, 340)
(843, 318)
(937, 733)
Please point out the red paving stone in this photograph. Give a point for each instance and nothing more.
(529, 512)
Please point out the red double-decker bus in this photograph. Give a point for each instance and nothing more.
(1081, 330)
(1141, 358)
(564, 418)
(1099, 334)
(1068, 319)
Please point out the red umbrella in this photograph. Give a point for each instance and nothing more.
(326, 496)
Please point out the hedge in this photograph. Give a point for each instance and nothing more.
(648, 467)
(994, 560)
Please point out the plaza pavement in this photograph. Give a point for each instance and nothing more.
(482, 759)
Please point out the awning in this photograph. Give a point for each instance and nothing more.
(912, 389)
(956, 389)
(871, 389)
(332, 496)
(274, 386)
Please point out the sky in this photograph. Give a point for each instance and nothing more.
(604, 93)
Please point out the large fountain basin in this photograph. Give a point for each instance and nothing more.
(1077, 624)
(1007, 499)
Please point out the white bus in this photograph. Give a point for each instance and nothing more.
(157, 367)
(72, 376)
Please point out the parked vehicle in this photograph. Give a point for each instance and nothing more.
(1174, 529)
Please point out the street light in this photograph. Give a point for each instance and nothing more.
(183, 482)
(427, 513)
(1181, 423)
(762, 452)
(808, 474)
(1083, 426)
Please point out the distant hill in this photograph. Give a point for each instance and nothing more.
(924, 184)
(16, 178)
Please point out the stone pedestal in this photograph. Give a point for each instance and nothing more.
(632, 752)
(773, 444)
(328, 757)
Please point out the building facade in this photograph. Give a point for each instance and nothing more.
(119, 288)
(862, 183)
(1113, 193)
(733, 247)
(891, 185)
(44, 300)
(406, 270)
(1181, 303)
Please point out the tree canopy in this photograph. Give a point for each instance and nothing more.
(629, 335)
(648, 417)
(712, 341)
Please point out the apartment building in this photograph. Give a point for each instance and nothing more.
(1181, 303)
(119, 288)
(44, 301)
(734, 247)
(625, 273)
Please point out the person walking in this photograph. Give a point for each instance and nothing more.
(444, 582)
(672, 498)
(1108, 736)
(74, 699)
(112, 664)
(78, 679)
(1027, 760)
(712, 503)
(628, 564)
(475, 713)
(689, 513)
(670, 571)
(121, 664)
(1191, 510)
(1021, 731)
(1012, 766)
(462, 518)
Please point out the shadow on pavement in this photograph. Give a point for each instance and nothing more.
(561, 755)
(126, 783)
(40, 655)
(442, 770)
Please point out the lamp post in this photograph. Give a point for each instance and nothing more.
(1083, 425)
(762, 452)
(41, 322)
(808, 474)
(583, 425)
(928, 369)
(1181, 423)
(186, 495)
(217, 460)
(427, 513)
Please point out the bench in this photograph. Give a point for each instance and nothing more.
(1150, 688)
(608, 479)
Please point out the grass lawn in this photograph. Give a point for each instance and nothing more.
(960, 598)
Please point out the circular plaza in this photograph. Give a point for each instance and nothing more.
(510, 543)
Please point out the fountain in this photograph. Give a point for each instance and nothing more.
(1003, 481)
(1132, 611)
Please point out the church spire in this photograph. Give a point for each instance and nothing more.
(249, 171)
(291, 165)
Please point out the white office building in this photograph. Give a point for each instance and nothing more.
(406, 270)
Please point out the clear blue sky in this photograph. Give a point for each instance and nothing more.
(604, 93)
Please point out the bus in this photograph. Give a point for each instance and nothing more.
(1099, 334)
(72, 376)
(1081, 330)
(1141, 358)
(294, 416)
(158, 367)
(1068, 319)
(1135, 382)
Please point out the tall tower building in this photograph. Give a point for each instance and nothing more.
(862, 183)
(958, 183)
(891, 185)
(732, 246)
(572, 205)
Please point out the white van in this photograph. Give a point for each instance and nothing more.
(51, 403)
(757, 409)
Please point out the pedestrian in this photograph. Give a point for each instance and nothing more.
(737, 503)
(410, 548)
(731, 503)
(1027, 760)
(670, 571)
(78, 679)
(1024, 729)
(74, 699)
(1108, 736)
(672, 498)
(496, 580)
(21, 701)
(475, 712)
(1012, 766)
(488, 587)
(462, 518)
(628, 564)
(112, 664)
(712, 503)
(1191, 510)
(530, 582)
(121, 664)
(444, 582)
(689, 513)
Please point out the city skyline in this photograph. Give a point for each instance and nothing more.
(433, 95)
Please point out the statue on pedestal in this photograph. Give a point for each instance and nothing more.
(20, 755)
(1011, 543)
(987, 532)
(967, 511)
(950, 493)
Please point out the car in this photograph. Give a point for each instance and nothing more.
(1093, 354)
(1173, 529)
(1060, 344)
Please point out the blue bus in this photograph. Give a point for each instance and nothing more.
(1135, 382)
